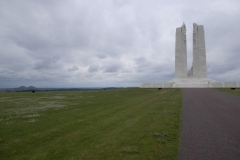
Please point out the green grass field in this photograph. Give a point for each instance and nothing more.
(229, 90)
(111, 124)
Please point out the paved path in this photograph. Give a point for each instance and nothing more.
(210, 127)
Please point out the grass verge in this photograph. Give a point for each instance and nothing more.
(235, 91)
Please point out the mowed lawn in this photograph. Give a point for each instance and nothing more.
(128, 123)
(235, 91)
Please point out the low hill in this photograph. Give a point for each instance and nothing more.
(23, 88)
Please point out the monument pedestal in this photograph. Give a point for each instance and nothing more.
(192, 82)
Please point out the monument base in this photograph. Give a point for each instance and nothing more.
(191, 83)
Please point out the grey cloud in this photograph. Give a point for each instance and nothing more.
(111, 68)
(101, 56)
(73, 68)
(142, 64)
(43, 65)
(75, 43)
(141, 60)
(93, 68)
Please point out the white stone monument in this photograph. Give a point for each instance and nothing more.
(181, 53)
(196, 77)
(199, 69)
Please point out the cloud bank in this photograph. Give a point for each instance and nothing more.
(94, 43)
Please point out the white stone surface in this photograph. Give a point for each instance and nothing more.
(168, 85)
(216, 84)
(237, 84)
(192, 82)
(230, 84)
(181, 53)
(199, 69)
(146, 85)
(157, 85)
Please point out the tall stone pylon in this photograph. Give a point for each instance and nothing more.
(181, 53)
(199, 69)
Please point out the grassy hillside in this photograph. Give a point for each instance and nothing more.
(111, 124)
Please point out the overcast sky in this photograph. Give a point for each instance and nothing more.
(121, 43)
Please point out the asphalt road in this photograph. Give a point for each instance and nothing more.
(210, 126)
